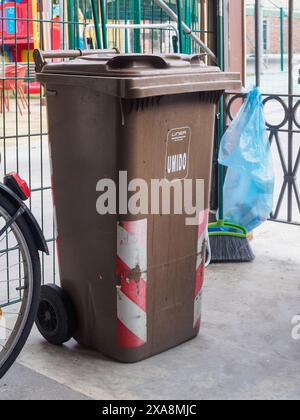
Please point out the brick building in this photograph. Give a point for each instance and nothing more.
(272, 26)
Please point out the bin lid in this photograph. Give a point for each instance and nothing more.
(144, 75)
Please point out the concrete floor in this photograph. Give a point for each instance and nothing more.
(22, 383)
(245, 349)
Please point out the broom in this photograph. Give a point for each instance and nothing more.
(228, 241)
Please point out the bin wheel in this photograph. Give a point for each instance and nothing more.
(56, 319)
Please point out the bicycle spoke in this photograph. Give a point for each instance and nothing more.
(4, 254)
(5, 328)
(11, 313)
(7, 233)
(12, 280)
(12, 266)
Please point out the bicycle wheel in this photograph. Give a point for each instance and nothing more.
(20, 278)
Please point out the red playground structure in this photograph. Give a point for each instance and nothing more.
(19, 33)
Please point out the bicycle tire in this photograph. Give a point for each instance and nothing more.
(21, 223)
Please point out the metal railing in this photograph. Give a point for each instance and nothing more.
(282, 106)
(131, 26)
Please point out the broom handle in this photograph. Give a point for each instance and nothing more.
(221, 171)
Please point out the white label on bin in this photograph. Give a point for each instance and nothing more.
(177, 156)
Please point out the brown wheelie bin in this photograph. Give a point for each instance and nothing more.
(134, 280)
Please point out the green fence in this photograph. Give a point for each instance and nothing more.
(116, 13)
(46, 24)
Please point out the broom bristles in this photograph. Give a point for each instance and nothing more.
(230, 249)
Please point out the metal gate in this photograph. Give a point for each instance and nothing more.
(132, 25)
(274, 64)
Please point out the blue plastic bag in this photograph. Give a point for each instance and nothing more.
(249, 182)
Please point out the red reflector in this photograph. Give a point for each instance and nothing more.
(21, 183)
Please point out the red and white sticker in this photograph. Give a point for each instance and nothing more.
(132, 291)
(200, 264)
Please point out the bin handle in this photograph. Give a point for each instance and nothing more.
(154, 61)
(129, 61)
(41, 56)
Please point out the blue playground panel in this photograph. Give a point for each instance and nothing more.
(11, 23)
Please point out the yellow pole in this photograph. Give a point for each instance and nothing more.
(35, 25)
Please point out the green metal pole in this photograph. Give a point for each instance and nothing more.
(71, 29)
(103, 24)
(96, 23)
(188, 21)
(194, 15)
(282, 38)
(137, 20)
(221, 108)
(126, 30)
(77, 29)
(175, 44)
(180, 28)
(118, 21)
(194, 20)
